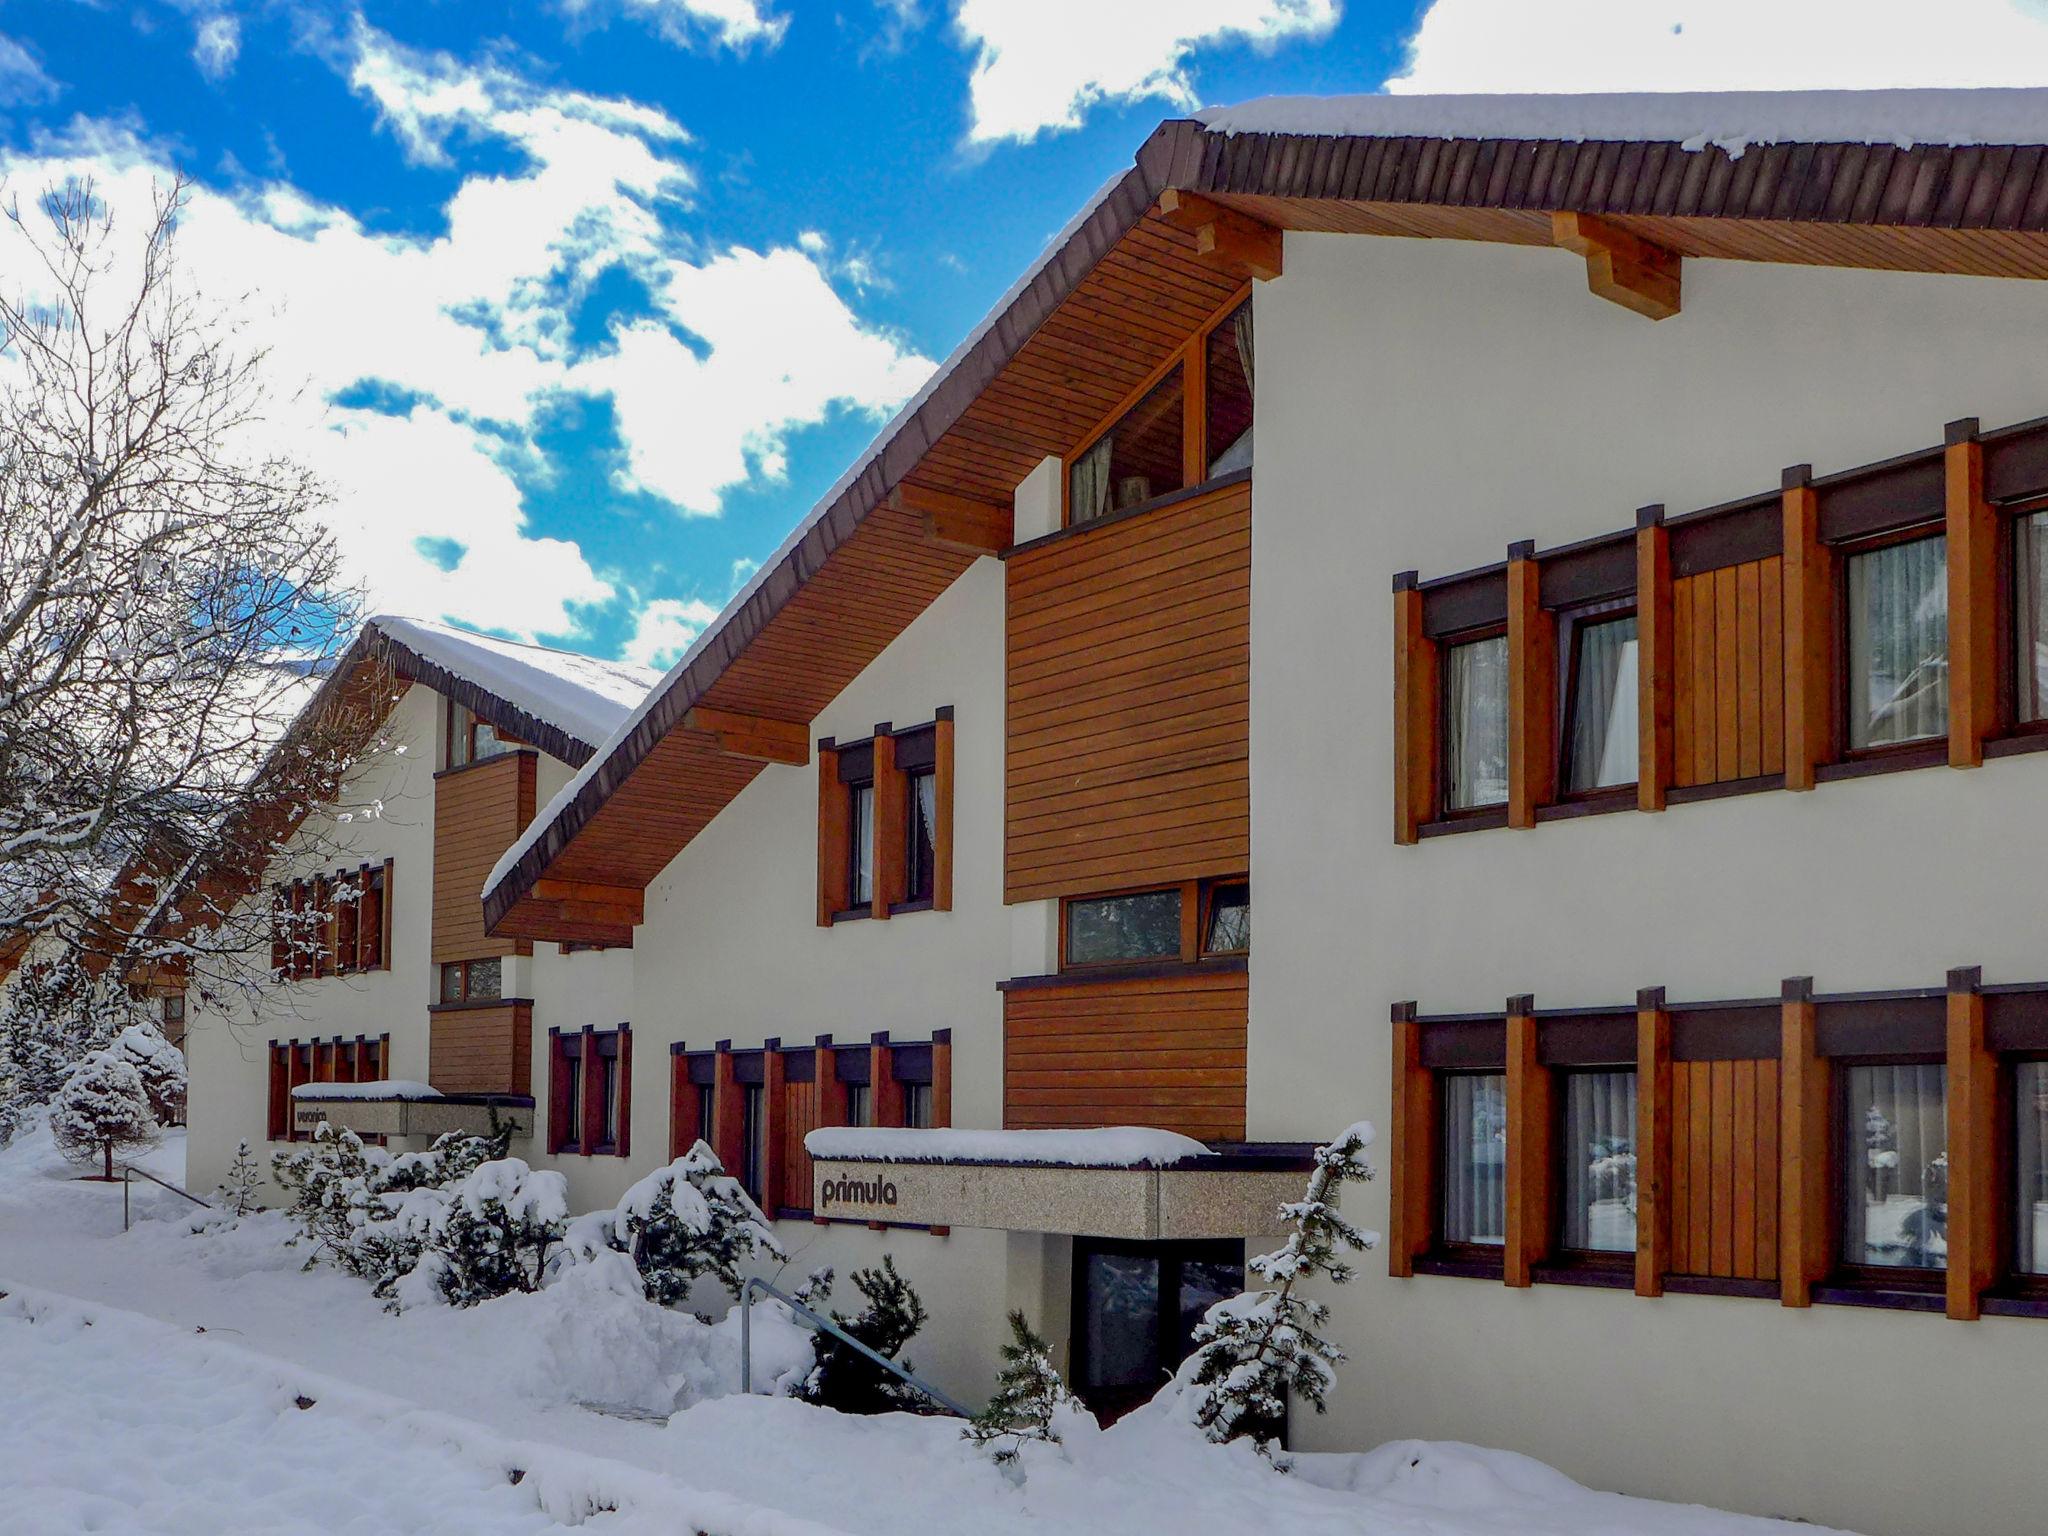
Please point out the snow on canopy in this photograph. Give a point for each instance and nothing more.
(392, 1088)
(1729, 120)
(578, 694)
(1116, 1146)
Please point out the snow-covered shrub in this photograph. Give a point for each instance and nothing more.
(490, 1236)
(679, 1224)
(1254, 1352)
(53, 1018)
(1030, 1403)
(236, 1194)
(847, 1380)
(160, 1065)
(102, 1108)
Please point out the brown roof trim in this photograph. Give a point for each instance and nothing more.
(1118, 212)
(498, 712)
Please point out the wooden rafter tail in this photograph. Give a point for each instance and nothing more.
(753, 736)
(588, 902)
(957, 522)
(1622, 268)
(1226, 239)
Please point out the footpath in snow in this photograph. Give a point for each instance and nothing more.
(126, 1423)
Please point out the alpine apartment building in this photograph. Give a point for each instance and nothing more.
(1620, 676)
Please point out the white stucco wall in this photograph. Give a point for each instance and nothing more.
(731, 949)
(1422, 404)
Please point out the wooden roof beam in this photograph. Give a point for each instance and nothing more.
(1224, 238)
(957, 522)
(590, 902)
(1622, 268)
(758, 737)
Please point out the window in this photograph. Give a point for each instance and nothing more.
(470, 739)
(1229, 927)
(1135, 1310)
(1892, 1150)
(753, 1140)
(859, 1109)
(327, 925)
(860, 863)
(589, 1091)
(2030, 1126)
(1474, 1159)
(473, 981)
(1599, 735)
(706, 1100)
(1898, 644)
(2030, 613)
(921, 836)
(571, 1068)
(1135, 460)
(917, 1106)
(1113, 930)
(338, 1060)
(1229, 373)
(1598, 1189)
(1476, 724)
(174, 1009)
(608, 1091)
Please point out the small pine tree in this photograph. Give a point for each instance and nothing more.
(47, 1027)
(847, 1380)
(102, 1108)
(237, 1193)
(160, 1065)
(494, 1234)
(1256, 1351)
(1030, 1399)
(679, 1224)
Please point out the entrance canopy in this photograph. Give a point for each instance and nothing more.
(1125, 1182)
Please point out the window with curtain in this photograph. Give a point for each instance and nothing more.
(2030, 1127)
(1600, 734)
(921, 835)
(753, 1138)
(1475, 1144)
(917, 1105)
(707, 1099)
(1135, 460)
(1599, 1151)
(569, 1097)
(1476, 724)
(857, 1105)
(1892, 1148)
(2030, 613)
(860, 856)
(1229, 406)
(1898, 643)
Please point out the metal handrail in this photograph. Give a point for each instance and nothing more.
(128, 1172)
(825, 1324)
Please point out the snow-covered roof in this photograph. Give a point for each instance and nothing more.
(577, 694)
(1729, 120)
(393, 1088)
(1114, 1146)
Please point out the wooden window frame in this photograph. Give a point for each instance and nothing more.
(1840, 556)
(885, 763)
(2006, 641)
(459, 724)
(1572, 623)
(1587, 1261)
(1195, 899)
(2013, 1283)
(1191, 355)
(1874, 1280)
(588, 1048)
(338, 1059)
(1442, 1254)
(465, 996)
(370, 948)
(1445, 812)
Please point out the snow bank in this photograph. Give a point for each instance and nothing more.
(1117, 1146)
(579, 694)
(386, 1088)
(1729, 120)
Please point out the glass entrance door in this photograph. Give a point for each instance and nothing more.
(1135, 1310)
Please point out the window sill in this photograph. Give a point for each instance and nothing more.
(2031, 1304)
(1722, 1285)
(1109, 975)
(1923, 754)
(1840, 1295)
(1622, 797)
(1138, 509)
(899, 908)
(1721, 789)
(2017, 744)
(468, 1004)
(1469, 821)
(484, 762)
(852, 915)
(1458, 1268)
(1611, 1277)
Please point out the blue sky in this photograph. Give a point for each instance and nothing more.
(579, 306)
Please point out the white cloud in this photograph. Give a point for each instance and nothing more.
(665, 628)
(1704, 45)
(469, 329)
(735, 24)
(1044, 65)
(215, 43)
(22, 80)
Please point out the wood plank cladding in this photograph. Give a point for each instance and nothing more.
(481, 1050)
(478, 812)
(1724, 1169)
(1728, 678)
(1167, 1052)
(1129, 650)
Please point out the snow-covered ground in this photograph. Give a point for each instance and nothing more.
(187, 1416)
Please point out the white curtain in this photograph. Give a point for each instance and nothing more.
(863, 861)
(1241, 333)
(1895, 1146)
(1600, 1162)
(2030, 1101)
(1476, 723)
(1475, 1131)
(2030, 605)
(1604, 748)
(1088, 495)
(1898, 643)
(925, 807)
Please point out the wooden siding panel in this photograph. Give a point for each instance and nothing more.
(481, 1050)
(1162, 1052)
(1129, 702)
(1730, 694)
(1724, 1185)
(478, 812)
